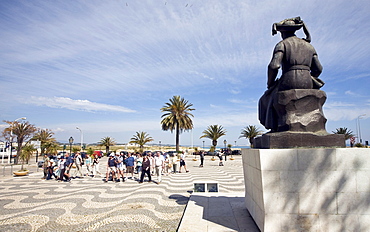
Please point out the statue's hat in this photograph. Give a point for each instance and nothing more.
(292, 24)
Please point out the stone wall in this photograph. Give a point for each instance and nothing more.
(308, 189)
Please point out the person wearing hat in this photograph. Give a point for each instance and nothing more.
(299, 63)
(297, 57)
(111, 168)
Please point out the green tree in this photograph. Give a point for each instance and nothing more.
(51, 147)
(177, 117)
(346, 132)
(45, 136)
(26, 153)
(23, 131)
(213, 132)
(90, 151)
(107, 142)
(250, 132)
(141, 138)
(76, 149)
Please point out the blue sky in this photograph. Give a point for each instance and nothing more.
(109, 66)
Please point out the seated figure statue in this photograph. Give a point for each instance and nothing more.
(293, 102)
(291, 107)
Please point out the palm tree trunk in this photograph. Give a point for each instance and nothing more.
(177, 138)
(19, 150)
(106, 150)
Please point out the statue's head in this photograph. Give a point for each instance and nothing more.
(289, 26)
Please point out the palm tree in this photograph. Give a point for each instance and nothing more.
(26, 153)
(346, 132)
(107, 142)
(90, 151)
(250, 132)
(177, 117)
(141, 138)
(51, 147)
(22, 130)
(213, 132)
(45, 136)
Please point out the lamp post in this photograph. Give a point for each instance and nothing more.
(82, 137)
(225, 152)
(11, 138)
(203, 145)
(235, 143)
(70, 144)
(359, 128)
(160, 145)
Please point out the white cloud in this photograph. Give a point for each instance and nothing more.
(349, 92)
(59, 129)
(338, 104)
(78, 105)
(201, 75)
(227, 120)
(345, 113)
(234, 91)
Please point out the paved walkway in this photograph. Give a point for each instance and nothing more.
(217, 212)
(88, 204)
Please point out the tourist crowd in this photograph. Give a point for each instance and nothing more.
(119, 166)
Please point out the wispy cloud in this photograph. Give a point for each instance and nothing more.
(123, 58)
(349, 92)
(78, 105)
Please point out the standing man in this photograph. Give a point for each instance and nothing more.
(182, 163)
(201, 158)
(111, 167)
(68, 165)
(121, 167)
(78, 162)
(130, 164)
(159, 165)
(145, 169)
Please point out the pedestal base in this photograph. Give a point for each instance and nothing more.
(308, 189)
(296, 139)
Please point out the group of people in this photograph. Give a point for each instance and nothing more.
(61, 166)
(147, 164)
(120, 166)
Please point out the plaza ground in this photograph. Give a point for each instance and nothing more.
(88, 204)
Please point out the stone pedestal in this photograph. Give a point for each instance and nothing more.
(308, 189)
(296, 140)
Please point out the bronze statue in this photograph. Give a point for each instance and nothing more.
(291, 107)
(300, 68)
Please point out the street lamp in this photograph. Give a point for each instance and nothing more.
(159, 145)
(82, 137)
(359, 128)
(70, 144)
(203, 145)
(11, 138)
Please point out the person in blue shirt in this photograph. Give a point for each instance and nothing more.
(130, 164)
(111, 167)
(68, 165)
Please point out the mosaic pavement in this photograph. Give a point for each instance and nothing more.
(31, 204)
